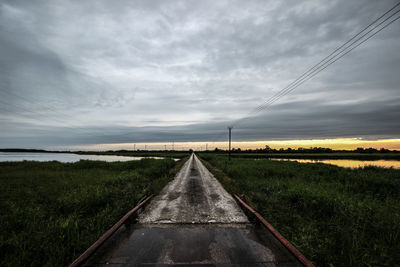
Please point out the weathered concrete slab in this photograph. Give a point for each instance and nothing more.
(194, 196)
(193, 221)
(215, 245)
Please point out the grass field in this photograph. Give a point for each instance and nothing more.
(51, 212)
(335, 216)
(165, 154)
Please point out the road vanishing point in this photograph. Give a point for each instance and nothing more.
(193, 221)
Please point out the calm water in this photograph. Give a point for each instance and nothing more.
(348, 163)
(62, 157)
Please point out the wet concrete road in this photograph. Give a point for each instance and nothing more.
(193, 221)
(194, 196)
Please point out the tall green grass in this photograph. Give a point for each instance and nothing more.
(51, 212)
(140, 153)
(335, 216)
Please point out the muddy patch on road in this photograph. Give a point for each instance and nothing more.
(220, 211)
(165, 211)
(195, 192)
(173, 196)
(194, 172)
(215, 197)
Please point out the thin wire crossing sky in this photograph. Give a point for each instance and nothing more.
(96, 72)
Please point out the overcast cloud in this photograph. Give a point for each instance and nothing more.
(85, 72)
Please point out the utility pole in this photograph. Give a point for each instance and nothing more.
(230, 140)
(206, 147)
(165, 147)
(145, 147)
(134, 147)
(173, 146)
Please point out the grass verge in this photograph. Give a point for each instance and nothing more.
(51, 212)
(335, 216)
(164, 154)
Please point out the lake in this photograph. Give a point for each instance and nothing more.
(349, 163)
(63, 157)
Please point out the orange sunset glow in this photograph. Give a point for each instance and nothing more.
(336, 144)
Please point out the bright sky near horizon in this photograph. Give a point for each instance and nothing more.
(94, 73)
(336, 144)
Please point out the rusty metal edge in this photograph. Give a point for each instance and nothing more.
(278, 236)
(85, 255)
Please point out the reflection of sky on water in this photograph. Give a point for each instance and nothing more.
(62, 157)
(350, 163)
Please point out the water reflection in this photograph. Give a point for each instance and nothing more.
(62, 157)
(348, 163)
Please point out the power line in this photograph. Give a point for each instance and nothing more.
(343, 45)
(330, 63)
(323, 67)
(336, 52)
(326, 61)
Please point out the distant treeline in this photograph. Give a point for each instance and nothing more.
(128, 153)
(80, 152)
(28, 150)
(267, 150)
(302, 150)
(313, 153)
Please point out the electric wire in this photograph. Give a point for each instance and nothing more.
(338, 53)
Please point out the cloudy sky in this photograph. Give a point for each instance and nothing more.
(94, 72)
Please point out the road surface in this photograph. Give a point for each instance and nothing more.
(194, 196)
(193, 221)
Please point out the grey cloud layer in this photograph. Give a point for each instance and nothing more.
(76, 72)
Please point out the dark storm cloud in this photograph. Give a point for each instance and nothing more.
(76, 72)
